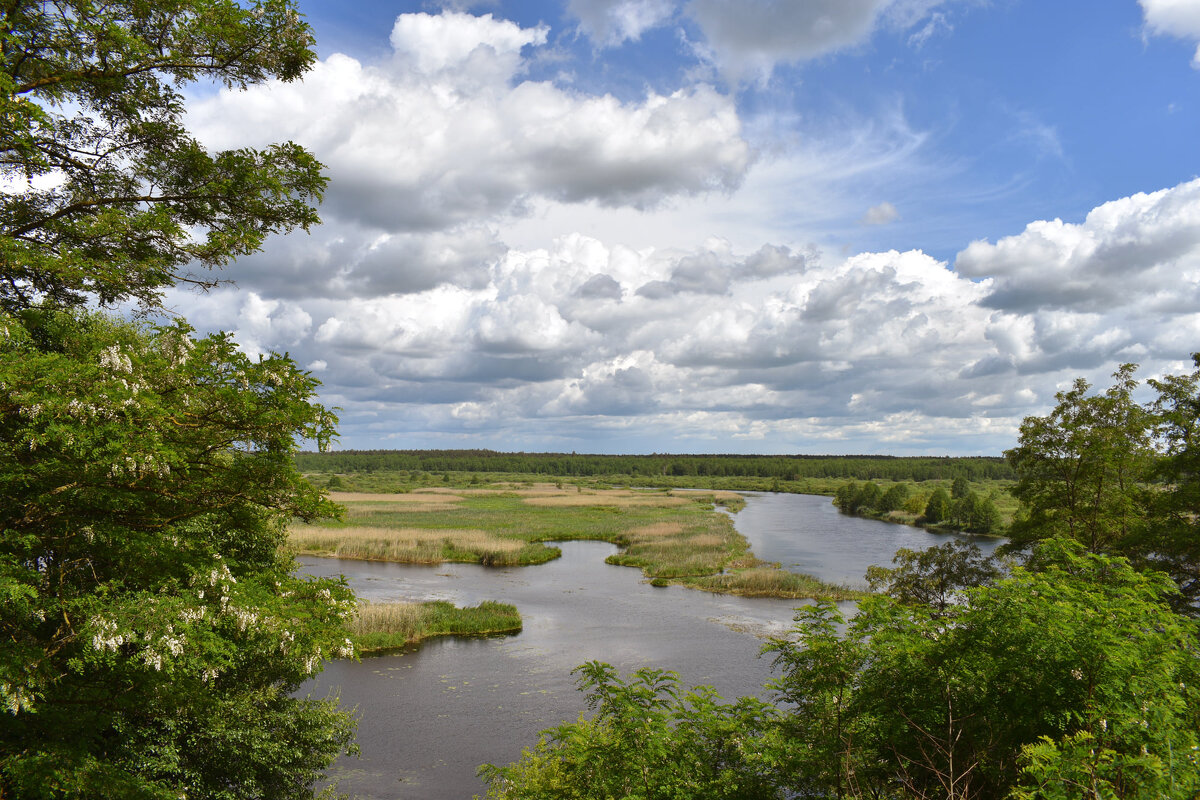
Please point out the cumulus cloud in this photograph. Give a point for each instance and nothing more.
(446, 133)
(1179, 18)
(1144, 247)
(433, 45)
(426, 325)
(790, 349)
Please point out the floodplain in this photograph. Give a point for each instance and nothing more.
(672, 537)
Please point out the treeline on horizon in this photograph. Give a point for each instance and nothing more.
(790, 467)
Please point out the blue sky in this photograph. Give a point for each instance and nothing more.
(820, 226)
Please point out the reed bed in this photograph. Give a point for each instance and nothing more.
(383, 626)
(415, 545)
(771, 581)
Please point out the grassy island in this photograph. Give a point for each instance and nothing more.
(673, 537)
(386, 626)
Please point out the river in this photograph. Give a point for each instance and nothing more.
(430, 716)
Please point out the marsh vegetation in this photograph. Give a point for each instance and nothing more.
(671, 537)
(386, 626)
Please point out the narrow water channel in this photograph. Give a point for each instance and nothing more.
(430, 716)
(806, 533)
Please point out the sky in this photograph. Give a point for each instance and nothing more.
(636, 226)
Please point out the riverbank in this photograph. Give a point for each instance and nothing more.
(387, 626)
(672, 538)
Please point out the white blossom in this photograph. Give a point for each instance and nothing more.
(107, 636)
(113, 359)
(245, 618)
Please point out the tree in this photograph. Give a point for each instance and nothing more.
(974, 514)
(646, 741)
(1081, 470)
(845, 497)
(119, 200)
(936, 576)
(893, 499)
(153, 631)
(1076, 670)
(153, 628)
(938, 509)
(1171, 542)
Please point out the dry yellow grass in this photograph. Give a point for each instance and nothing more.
(656, 531)
(411, 545)
(364, 510)
(707, 540)
(405, 500)
(387, 618)
(670, 536)
(767, 581)
(616, 497)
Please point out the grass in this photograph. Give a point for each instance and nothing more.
(418, 545)
(671, 537)
(386, 626)
(769, 581)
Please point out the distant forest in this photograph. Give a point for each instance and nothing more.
(791, 468)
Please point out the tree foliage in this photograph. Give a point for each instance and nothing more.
(119, 200)
(1082, 469)
(939, 508)
(1171, 542)
(1074, 679)
(1118, 476)
(935, 577)
(153, 630)
(650, 468)
(1077, 670)
(646, 740)
(154, 634)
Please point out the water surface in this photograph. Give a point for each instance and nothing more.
(430, 716)
(806, 533)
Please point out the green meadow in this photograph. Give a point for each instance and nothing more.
(672, 537)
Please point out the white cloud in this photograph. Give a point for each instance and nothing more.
(265, 324)
(749, 38)
(1141, 252)
(437, 317)
(611, 22)
(451, 41)
(1179, 18)
(548, 347)
(881, 214)
(445, 134)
